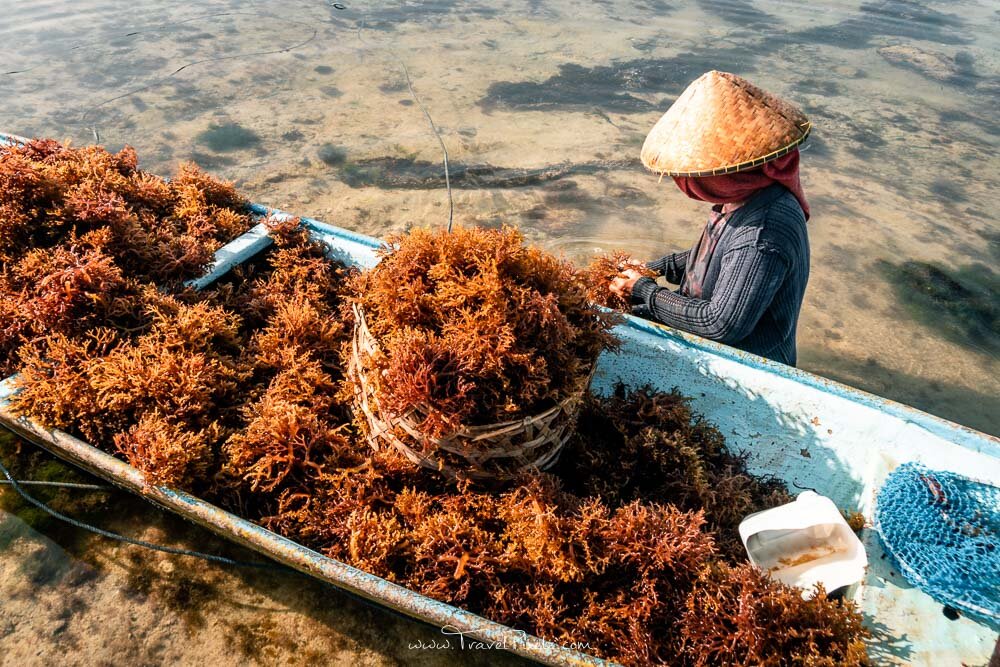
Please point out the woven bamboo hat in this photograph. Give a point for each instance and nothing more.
(722, 124)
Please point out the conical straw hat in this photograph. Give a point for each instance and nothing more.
(721, 124)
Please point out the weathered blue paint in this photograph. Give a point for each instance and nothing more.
(967, 437)
(240, 250)
(11, 139)
(810, 431)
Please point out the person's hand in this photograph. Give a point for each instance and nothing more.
(622, 284)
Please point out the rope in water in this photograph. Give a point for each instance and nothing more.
(430, 121)
(16, 485)
(60, 485)
(437, 133)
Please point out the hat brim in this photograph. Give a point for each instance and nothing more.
(744, 166)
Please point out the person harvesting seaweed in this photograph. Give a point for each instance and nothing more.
(727, 142)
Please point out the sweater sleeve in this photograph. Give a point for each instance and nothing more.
(670, 266)
(748, 280)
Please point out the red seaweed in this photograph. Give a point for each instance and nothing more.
(628, 547)
(82, 228)
(477, 327)
(603, 270)
(737, 615)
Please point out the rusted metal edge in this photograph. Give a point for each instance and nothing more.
(463, 626)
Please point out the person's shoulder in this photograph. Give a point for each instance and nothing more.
(782, 226)
(774, 223)
(784, 208)
(777, 211)
(775, 201)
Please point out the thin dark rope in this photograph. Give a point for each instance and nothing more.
(430, 121)
(795, 483)
(437, 133)
(131, 540)
(60, 485)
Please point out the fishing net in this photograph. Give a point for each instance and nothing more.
(943, 530)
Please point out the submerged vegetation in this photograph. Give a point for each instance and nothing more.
(962, 305)
(409, 173)
(897, 19)
(628, 546)
(227, 137)
(622, 87)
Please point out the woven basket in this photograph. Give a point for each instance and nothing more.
(492, 451)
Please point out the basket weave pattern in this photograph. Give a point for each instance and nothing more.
(722, 124)
(483, 452)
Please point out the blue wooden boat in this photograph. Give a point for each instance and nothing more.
(807, 430)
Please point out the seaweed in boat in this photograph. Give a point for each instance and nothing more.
(738, 615)
(605, 268)
(81, 229)
(236, 393)
(650, 446)
(477, 327)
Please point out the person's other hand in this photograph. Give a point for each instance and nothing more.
(622, 285)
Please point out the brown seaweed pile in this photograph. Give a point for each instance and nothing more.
(738, 616)
(575, 556)
(605, 268)
(231, 387)
(649, 446)
(81, 230)
(629, 547)
(551, 554)
(534, 557)
(476, 327)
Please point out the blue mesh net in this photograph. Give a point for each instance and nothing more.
(943, 531)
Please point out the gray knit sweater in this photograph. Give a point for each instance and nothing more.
(754, 285)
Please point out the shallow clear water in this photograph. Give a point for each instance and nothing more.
(308, 108)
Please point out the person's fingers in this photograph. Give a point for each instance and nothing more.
(617, 286)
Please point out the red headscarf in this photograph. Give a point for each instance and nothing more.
(742, 185)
